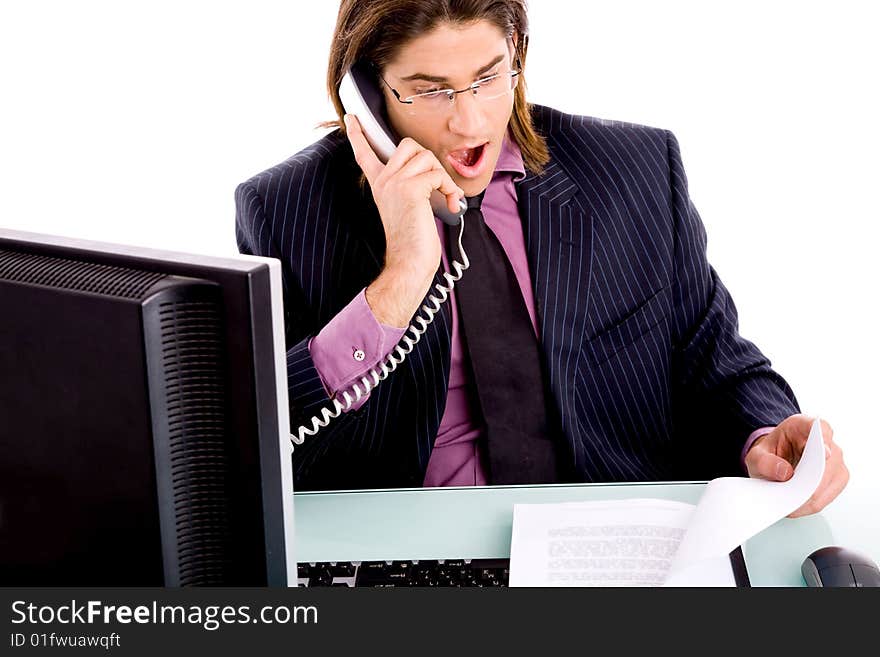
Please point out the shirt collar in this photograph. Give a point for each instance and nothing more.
(510, 159)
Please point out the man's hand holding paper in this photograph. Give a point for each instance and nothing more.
(775, 455)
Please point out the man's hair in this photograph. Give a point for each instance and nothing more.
(375, 30)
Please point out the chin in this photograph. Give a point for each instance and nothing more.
(474, 186)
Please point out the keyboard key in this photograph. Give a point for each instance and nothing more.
(321, 577)
(372, 568)
(490, 563)
(372, 573)
(342, 569)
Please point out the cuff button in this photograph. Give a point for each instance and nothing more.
(359, 355)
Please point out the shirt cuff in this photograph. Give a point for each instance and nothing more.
(757, 433)
(350, 345)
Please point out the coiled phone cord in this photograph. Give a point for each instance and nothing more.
(393, 359)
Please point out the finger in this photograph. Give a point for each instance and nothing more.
(797, 429)
(835, 464)
(438, 179)
(422, 161)
(794, 432)
(809, 506)
(426, 161)
(767, 465)
(824, 495)
(798, 440)
(788, 449)
(834, 480)
(828, 437)
(448, 187)
(453, 201)
(364, 154)
(407, 149)
(797, 425)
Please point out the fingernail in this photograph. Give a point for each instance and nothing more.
(782, 471)
(827, 451)
(345, 120)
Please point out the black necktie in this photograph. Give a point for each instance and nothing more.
(505, 358)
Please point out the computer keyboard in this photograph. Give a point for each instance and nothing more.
(442, 572)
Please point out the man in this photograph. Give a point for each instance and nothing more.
(625, 335)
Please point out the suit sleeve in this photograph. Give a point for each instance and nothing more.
(723, 386)
(306, 392)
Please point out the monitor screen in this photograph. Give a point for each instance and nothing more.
(144, 431)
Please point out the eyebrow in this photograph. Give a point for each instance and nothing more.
(435, 78)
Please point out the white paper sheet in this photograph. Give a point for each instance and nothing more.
(614, 543)
(649, 542)
(733, 509)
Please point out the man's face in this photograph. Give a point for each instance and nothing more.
(465, 135)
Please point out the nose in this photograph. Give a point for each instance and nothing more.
(468, 116)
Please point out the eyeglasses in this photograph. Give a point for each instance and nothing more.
(437, 101)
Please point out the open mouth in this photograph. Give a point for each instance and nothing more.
(468, 157)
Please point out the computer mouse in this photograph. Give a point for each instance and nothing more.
(834, 566)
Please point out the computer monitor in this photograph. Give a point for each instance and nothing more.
(144, 431)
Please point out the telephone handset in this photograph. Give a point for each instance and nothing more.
(361, 96)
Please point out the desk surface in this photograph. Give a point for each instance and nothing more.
(475, 522)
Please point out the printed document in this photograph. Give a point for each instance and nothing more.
(654, 542)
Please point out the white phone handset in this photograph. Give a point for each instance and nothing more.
(361, 96)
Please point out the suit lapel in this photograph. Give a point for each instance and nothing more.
(559, 244)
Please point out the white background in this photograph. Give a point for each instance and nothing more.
(133, 123)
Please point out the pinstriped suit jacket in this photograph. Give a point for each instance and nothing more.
(649, 375)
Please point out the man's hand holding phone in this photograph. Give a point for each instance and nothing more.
(402, 190)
